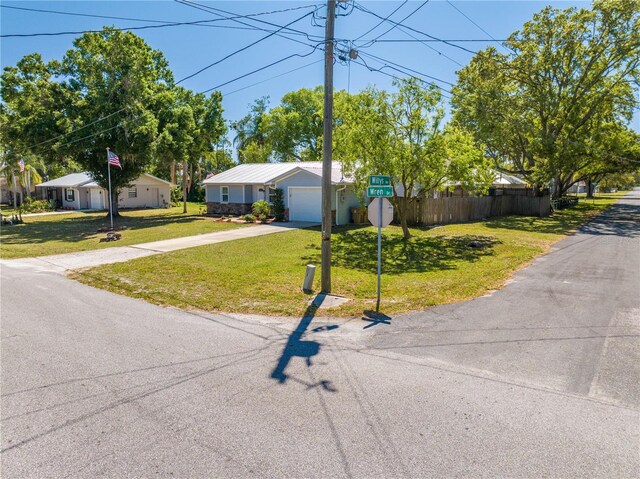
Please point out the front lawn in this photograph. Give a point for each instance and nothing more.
(77, 231)
(264, 275)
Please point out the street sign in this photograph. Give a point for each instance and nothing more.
(373, 212)
(379, 191)
(379, 180)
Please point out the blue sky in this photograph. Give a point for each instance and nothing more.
(189, 48)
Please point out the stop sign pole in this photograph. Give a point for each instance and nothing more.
(379, 189)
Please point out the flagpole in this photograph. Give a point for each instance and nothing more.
(110, 200)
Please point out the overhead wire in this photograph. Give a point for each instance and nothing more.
(243, 48)
(499, 42)
(216, 11)
(260, 69)
(366, 10)
(110, 17)
(272, 78)
(381, 21)
(190, 76)
(396, 24)
(382, 60)
(381, 70)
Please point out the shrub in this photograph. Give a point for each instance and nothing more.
(249, 218)
(29, 205)
(176, 195)
(278, 204)
(261, 210)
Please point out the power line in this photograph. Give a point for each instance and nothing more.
(181, 80)
(141, 115)
(260, 69)
(271, 78)
(215, 11)
(381, 21)
(380, 70)
(395, 25)
(478, 26)
(144, 27)
(82, 32)
(366, 10)
(382, 60)
(90, 15)
(244, 48)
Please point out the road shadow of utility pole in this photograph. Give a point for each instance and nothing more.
(297, 347)
(375, 318)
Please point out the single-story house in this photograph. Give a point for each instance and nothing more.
(232, 192)
(79, 191)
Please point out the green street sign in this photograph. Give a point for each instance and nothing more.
(379, 191)
(379, 180)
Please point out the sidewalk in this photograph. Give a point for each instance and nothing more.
(85, 259)
(49, 213)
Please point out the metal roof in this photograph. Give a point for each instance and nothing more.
(265, 173)
(68, 181)
(84, 179)
(504, 179)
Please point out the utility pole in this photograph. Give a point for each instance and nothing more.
(327, 145)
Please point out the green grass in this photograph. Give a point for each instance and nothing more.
(8, 210)
(264, 275)
(77, 231)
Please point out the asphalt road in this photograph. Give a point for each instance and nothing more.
(539, 379)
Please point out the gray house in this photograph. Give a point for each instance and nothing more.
(232, 192)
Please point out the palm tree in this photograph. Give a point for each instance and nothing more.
(248, 129)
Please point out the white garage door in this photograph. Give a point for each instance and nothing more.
(305, 204)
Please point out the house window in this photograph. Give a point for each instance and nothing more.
(272, 194)
(69, 195)
(133, 192)
(224, 194)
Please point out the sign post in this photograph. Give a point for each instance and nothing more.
(380, 214)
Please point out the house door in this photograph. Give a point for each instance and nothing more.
(96, 199)
(154, 197)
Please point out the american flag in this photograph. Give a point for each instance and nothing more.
(113, 159)
(21, 165)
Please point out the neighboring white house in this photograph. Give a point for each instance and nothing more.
(232, 192)
(78, 191)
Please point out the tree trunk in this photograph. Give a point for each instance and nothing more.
(557, 188)
(184, 186)
(114, 203)
(402, 211)
(589, 188)
(173, 172)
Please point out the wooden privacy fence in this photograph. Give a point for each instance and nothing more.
(434, 211)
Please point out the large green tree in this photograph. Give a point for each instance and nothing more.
(401, 134)
(541, 109)
(290, 131)
(118, 82)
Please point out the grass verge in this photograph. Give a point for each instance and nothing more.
(263, 275)
(55, 234)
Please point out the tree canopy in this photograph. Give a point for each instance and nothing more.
(111, 90)
(548, 109)
(401, 134)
